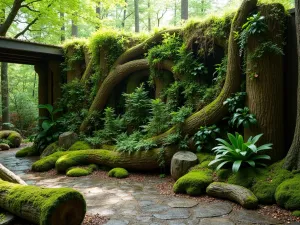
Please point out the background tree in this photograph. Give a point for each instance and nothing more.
(292, 161)
(184, 9)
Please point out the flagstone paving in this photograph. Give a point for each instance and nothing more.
(137, 203)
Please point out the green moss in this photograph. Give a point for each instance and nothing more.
(44, 200)
(47, 163)
(14, 138)
(28, 151)
(50, 149)
(84, 157)
(246, 177)
(296, 213)
(78, 172)
(223, 174)
(200, 166)
(118, 173)
(204, 156)
(287, 194)
(266, 184)
(194, 182)
(80, 145)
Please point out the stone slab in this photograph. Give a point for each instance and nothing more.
(212, 209)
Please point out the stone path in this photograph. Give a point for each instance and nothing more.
(136, 203)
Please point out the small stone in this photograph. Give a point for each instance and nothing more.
(173, 214)
(182, 203)
(181, 162)
(67, 139)
(216, 221)
(4, 147)
(213, 209)
(251, 217)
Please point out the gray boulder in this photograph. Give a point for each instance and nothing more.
(233, 192)
(181, 162)
(67, 139)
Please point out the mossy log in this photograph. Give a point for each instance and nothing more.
(44, 206)
(141, 161)
(235, 193)
(216, 110)
(137, 51)
(7, 175)
(264, 84)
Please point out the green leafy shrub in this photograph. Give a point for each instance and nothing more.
(239, 153)
(287, 194)
(242, 116)
(178, 117)
(235, 102)
(194, 182)
(205, 137)
(296, 213)
(137, 106)
(118, 173)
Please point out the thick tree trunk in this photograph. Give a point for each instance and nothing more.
(136, 16)
(184, 9)
(149, 16)
(7, 175)
(44, 206)
(74, 30)
(265, 89)
(141, 160)
(63, 28)
(4, 96)
(292, 160)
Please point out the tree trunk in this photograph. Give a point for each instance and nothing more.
(7, 175)
(74, 29)
(184, 9)
(292, 160)
(124, 15)
(136, 16)
(63, 28)
(149, 16)
(141, 160)
(264, 84)
(5, 96)
(44, 206)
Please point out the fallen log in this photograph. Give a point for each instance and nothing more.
(44, 206)
(7, 175)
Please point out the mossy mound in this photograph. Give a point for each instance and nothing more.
(194, 182)
(50, 149)
(287, 194)
(47, 163)
(245, 177)
(81, 171)
(118, 173)
(296, 213)
(28, 151)
(204, 156)
(14, 138)
(80, 145)
(223, 174)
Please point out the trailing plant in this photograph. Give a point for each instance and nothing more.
(238, 153)
(204, 138)
(137, 106)
(255, 25)
(242, 116)
(267, 46)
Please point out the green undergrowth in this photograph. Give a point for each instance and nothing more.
(28, 151)
(118, 173)
(45, 200)
(194, 182)
(81, 171)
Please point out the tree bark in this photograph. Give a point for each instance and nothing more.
(292, 160)
(184, 9)
(63, 28)
(7, 175)
(136, 16)
(4, 96)
(44, 206)
(265, 89)
(74, 29)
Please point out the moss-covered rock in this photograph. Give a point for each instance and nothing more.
(14, 138)
(80, 145)
(50, 149)
(28, 151)
(246, 177)
(296, 213)
(194, 182)
(47, 163)
(118, 173)
(204, 156)
(81, 171)
(287, 194)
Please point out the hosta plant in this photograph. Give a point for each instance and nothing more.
(239, 153)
